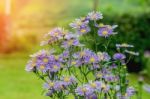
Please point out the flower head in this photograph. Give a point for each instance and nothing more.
(105, 31)
(84, 90)
(94, 15)
(78, 23)
(119, 56)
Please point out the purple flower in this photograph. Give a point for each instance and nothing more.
(78, 23)
(70, 40)
(95, 85)
(103, 56)
(110, 78)
(132, 53)
(84, 90)
(85, 57)
(146, 88)
(54, 67)
(30, 65)
(94, 16)
(93, 96)
(83, 30)
(68, 80)
(54, 35)
(130, 91)
(119, 56)
(49, 85)
(124, 45)
(105, 31)
(59, 85)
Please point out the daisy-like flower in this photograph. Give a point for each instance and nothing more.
(95, 85)
(103, 56)
(31, 65)
(119, 56)
(54, 35)
(78, 23)
(70, 40)
(93, 58)
(59, 86)
(92, 97)
(54, 67)
(110, 78)
(83, 30)
(49, 85)
(84, 90)
(68, 80)
(105, 31)
(130, 91)
(146, 87)
(94, 16)
(125, 45)
(132, 53)
(41, 67)
(85, 57)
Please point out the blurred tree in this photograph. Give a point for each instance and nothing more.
(95, 6)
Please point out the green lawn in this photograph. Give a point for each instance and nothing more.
(16, 83)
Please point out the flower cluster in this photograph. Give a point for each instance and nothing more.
(80, 71)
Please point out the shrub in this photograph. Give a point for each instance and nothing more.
(81, 63)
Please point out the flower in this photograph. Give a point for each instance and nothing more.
(93, 96)
(54, 35)
(83, 30)
(110, 78)
(146, 87)
(68, 80)
(31, 65)
(54, 67)
(105, 31)
(130, 91)
(94, 16)
(70, 40)
(124, 45)
(95, 85)
(59, 85)
(132, 53)
(84, 90)
(49, 84)
(103, 56)
(78, 23)
(119, 56)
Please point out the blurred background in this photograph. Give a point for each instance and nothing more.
(24, 22)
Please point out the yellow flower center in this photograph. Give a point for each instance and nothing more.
(51, 84)
(82, 54)
(101, 25)
(79, 23)
(70, 42)
(56, 34)
(93, 85)
(92, 59)
(73, 63)
(99, 75)
(84, 90)
(45, 60)
(124, 44)
(103, 86)
(83, 30)
(66, 79)
(55, 67)
(105, 33)
(42, 67)
(33, 64)
(56, 57)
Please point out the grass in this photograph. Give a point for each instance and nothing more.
(16, 83)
